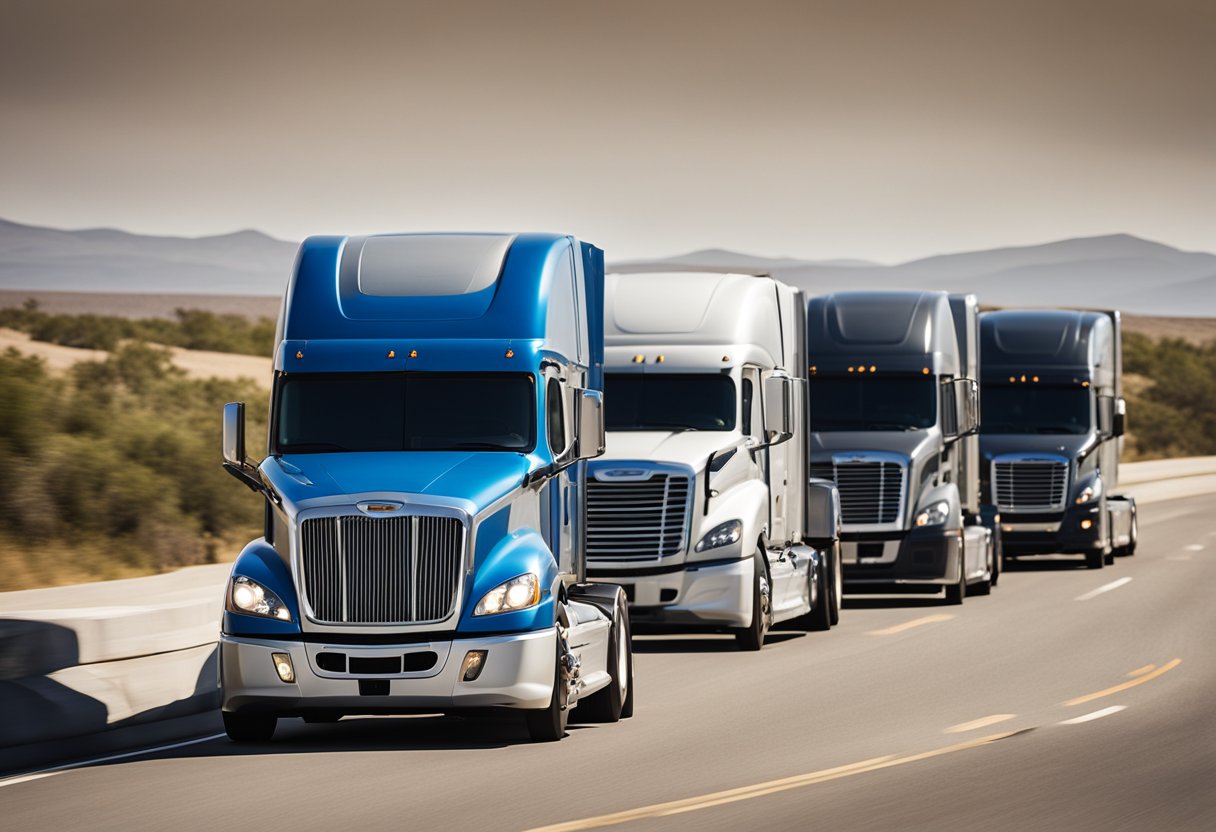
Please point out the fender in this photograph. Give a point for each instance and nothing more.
(523, 550)
(260, 562)
(747, 501)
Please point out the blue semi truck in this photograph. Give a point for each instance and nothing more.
(435, 399)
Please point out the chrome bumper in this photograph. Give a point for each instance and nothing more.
(518, 673)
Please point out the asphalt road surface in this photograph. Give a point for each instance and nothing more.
(1068, 699)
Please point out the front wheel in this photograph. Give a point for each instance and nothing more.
(955, 593)
(1095, 560)
(751, 638)
(249, 727)
(548, 724)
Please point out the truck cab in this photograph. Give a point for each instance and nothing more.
(435, 400)
(1052, 432)
(894, 410)
(699, 506)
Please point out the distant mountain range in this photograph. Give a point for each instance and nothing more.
(1119, 271)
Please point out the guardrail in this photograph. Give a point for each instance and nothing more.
(88, 659)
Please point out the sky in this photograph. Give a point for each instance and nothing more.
(882, 130)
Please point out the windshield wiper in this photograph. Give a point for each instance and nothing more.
(1053, 429)
(678, 428)
(888, 426)
(483, 446)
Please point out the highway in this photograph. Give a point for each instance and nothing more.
(1068, 699)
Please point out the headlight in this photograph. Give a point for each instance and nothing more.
(933, 515)
(251, 598)
(721, 535)
(516, 594)
(1089, 492)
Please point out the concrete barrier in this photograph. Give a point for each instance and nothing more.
(92, 660)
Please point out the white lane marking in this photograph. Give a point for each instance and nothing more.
(1194, 547)
(915, 622)
(1077, 720)
(982, 722)
(1094, 593)
(1179, 557)
(53, 770)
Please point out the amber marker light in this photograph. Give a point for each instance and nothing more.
(725, 359)
(659, 359)
(1035, 379)
(925, 371)
(873, 369)
(1012, 379)
(392, 353)
(299, 354)
(509, 353)
(413, 353)
(638, 359)
(850, 369)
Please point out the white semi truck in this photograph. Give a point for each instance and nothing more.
(699, 506)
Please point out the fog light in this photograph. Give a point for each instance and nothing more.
(282, 665)
(1087, 524)
(470, 668)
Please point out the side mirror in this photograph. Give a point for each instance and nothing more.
(589, 416)
(234, 434)
(960, 408)
(778, 406)
(1120, 425)
(235, 462)
(1107, 416)
(823, 513)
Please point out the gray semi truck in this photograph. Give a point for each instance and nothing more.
(1053, 421)
(894, 404)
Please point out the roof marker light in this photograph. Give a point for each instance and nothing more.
(850, 369)
(1012, 379)
(1085, 384)
(299, 354)
(509, 353)
(873, 369)
(1035, 379)
(925, 371)
(1023, 378)
(392, 353)
(814, 369)
(639, 359)
(725, 359)
(660, 359)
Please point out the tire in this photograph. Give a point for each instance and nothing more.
(998, 556)
(249, 727)
(608, 704)
(548, 724)
(836, 584)
(819, 619)
(751, 638)
(955, 593)
(1095, 560)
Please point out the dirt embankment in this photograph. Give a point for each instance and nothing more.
(196, 363)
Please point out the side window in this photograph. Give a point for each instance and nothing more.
(753, 421)
(555, 420)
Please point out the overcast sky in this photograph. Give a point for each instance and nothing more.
(880, 130)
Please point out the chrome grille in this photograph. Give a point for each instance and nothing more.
(870, 492)
(1030, 484)
(382, 570)
(637, 520)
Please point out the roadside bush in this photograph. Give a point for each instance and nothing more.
(114, 468)
(1172, 408)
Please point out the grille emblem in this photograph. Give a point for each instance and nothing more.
(380, 507)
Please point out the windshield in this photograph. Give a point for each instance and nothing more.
(406, 412)
(1022, 409)
(669, 402)
(873, 403)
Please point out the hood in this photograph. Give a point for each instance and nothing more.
(913, 444)
(690, 447)
(1060, 444)
(480, 478)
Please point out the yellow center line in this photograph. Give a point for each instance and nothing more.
(1139, 680)
(1140, 671)
(915, 622)
(982, 722)
(706, 801)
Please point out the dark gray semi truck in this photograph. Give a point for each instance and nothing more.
(1052, 426)
(894, 399)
